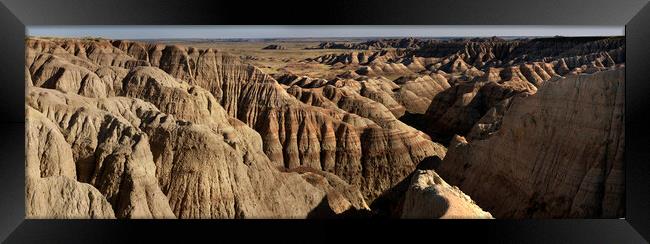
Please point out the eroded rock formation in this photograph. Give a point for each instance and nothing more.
(274, 47)
(124, 129)
(558, 153)
(51, 186)
(190, 160)
(429, 196)
(296, 134)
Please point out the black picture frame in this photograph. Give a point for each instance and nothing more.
(634, 15)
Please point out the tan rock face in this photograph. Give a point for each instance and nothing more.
(429, 196)
(59, 197)
(416, 94)
(558, 153)
(51, 186)
(43, 136)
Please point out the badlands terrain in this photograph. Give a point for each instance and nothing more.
(371, 128)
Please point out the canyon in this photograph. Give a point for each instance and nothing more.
(385, 128)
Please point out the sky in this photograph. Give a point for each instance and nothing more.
(254, 32)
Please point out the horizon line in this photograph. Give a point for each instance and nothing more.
(296, 32)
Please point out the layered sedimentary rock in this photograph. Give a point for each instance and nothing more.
(458, 109)
(293, 133)
(370, 63)
(344, 59)
(239, 181)
(416, 93)
(147, 163)
(485, 76)
(495, 53)
(411, 93)
(301, 81)
(557, 153)
(467, 59)
(390, 148)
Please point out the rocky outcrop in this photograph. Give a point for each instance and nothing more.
(301, 81)
(470, 57)
(59, 197)
(557, 153)
(407, 93)
(51, 189)
(457, 109)
(353, 58)
(274, 47)
(370, 63)
(334, 45)
(416, 93)
(429, 196)
(406, 43)
(484, 53)
(43, 136)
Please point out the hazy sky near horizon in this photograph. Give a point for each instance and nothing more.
(254, 32)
